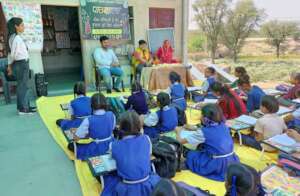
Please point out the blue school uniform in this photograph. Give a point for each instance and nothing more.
(178, 95)
(254, 98)
(98, 127)
(134, 175)
(168, 120)
(215, 155)
(137, 102)
(79, 108)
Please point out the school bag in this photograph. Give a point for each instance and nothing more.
(167, 152)
(193, 191)
(115, 105)
(180, 114)
(41, 85)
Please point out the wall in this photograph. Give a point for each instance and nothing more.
(141, 24)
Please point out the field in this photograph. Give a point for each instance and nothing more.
(257, 57)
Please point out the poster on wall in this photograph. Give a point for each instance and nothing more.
(32, 17)
(105, 17)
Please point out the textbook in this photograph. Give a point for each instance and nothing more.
(282, 111)
(249, 120)
(103, 164)
(213, 101)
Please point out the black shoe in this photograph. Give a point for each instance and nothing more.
(117, 90)
(33, 109)
(26, 112)
(58, 122)
(108, 91)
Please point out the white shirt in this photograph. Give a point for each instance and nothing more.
(18, 48)
(105, 57)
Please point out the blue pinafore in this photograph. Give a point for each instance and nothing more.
(215, 155)
(134, 175)
(168, 120)
(178, 95)
(81, 109)
(101, 131)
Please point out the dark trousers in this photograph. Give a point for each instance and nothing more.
(21, 72)
(139, 70)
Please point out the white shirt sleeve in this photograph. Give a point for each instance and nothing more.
(196, 138)
(83, 129)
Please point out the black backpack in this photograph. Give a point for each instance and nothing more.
(180, 115)
(41, 85)
(167, 152)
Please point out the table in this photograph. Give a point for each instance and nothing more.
(157, 77)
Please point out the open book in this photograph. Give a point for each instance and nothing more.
(273, 92)
(283, 142)
(103, 164)
(69, 135)
(249, 120)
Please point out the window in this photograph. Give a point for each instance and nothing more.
(161, 17)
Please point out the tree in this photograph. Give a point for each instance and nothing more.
(209, 15)
(238, 25)
(278, 31)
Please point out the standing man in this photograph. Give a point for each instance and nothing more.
(108, 64)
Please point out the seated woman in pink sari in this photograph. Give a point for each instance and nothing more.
(165, 53)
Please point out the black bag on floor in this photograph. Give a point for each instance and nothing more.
(167, 152)
(193, 191)
(41, 85)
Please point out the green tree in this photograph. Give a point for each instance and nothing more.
(209, 15)
(239, 24)
(277, 32)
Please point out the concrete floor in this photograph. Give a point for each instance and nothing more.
(32, 164)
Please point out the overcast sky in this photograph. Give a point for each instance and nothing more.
(275, 9)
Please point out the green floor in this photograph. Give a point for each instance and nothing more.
(32, 164)
(61, 84)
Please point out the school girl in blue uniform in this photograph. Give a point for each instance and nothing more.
(177, 90)
(132, 154)
(137, 101)
(215, 145)
(98, 127)
(79, 108)
(167, 117)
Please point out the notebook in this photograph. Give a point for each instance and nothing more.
(284, 110)
(274, 178)
(249, 120)
(296, 101)
(69, 135)
(194, 88)
(283, 143)
(213, 101)
(64, 106)
(103, 164)
(236, 125)
(272, 92)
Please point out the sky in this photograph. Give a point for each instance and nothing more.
(275, 9)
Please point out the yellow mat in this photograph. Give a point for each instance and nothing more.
(49, 110)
